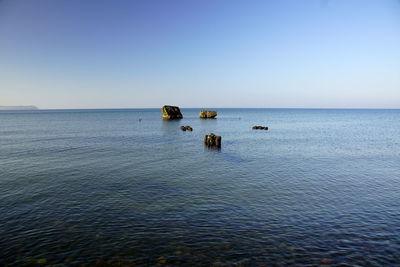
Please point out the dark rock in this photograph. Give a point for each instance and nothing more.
(260, 128)
(212, 140)
(186, 128)
(171, 113)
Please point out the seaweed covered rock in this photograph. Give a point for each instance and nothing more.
(208, 114)
(212, 140)
(260, 128)
(171, 113)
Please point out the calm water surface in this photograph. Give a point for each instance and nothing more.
(99, 187)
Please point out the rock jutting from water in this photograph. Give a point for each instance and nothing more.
(208, 114)
(171, 113)
(260, 128)
(212, 140)
(186, 128)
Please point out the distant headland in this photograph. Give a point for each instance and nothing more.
(18, 108)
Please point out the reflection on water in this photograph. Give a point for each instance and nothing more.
(100, 187)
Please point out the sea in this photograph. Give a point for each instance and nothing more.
(122, 187)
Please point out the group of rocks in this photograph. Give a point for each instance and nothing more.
(173, 112)
(210, 140)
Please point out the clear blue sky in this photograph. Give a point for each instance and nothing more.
(205, 53)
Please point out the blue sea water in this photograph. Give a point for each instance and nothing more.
(99, 187)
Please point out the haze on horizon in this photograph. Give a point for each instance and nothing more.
(200, 53)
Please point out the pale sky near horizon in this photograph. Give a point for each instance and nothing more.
(200, 53)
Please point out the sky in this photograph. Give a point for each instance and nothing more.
(60, 54)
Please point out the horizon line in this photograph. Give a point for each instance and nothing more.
(355, 108)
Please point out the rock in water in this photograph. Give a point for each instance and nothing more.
(208, 114)
(186, 128)
(260, 128)
(212, 140)
(171, 113)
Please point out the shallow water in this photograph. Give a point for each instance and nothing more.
(100, 187)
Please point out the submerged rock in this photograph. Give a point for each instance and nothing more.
(171, 113)
(260, 128)
(212, 140)
(186, 128)
(208, 114)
